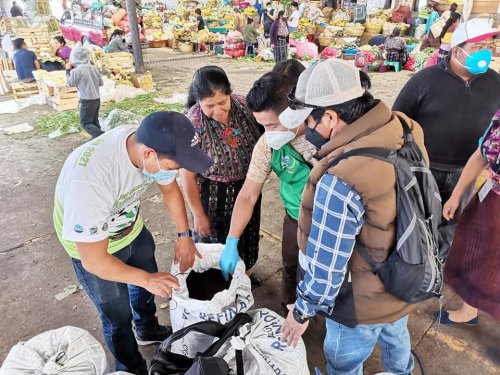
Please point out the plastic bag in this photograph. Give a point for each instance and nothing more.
(123, 92)
(308, 49)
(119, 117)
(222, 307)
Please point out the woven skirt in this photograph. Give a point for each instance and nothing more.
(473, 265)
(218, 200)
(280, 50)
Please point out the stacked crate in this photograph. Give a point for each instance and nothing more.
(52, 85)
(64, 98)
(5, 26)
(7, 64)
(22, 90)
(38, 38)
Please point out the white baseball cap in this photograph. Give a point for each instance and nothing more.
(324, 84)
(472, 31)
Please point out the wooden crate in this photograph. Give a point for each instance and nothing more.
(65, 95)
(7, 64)
(65, 105)
(47, 90)
(117, 60)
(42, 8)
(22, 90)
(5, 26)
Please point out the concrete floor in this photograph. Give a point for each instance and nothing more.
(34, 267)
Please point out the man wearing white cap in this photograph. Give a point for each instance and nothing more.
(343, 207)
(454, 102)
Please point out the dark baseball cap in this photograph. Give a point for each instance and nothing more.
(172, 134)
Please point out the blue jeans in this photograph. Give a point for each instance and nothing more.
(118, 304)
(346, 349)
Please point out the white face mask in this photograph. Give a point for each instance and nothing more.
(277, 139)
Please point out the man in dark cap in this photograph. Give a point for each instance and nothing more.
(97, 220)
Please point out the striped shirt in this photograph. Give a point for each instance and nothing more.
(337, 218)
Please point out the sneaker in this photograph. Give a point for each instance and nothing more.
(158, 335)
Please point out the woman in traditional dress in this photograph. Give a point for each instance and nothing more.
(227, 131)
(472, 267)
(279, 37)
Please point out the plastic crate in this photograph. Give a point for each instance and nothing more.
(220, 30)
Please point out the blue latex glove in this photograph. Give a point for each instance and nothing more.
(229, 257)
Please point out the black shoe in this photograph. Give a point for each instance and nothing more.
(158, 335)
(255, 281)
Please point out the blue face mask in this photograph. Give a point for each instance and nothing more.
(161, 177)
(477, 62)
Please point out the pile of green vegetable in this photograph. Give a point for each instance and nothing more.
(141, 105)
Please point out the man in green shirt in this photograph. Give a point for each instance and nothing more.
(290, 156)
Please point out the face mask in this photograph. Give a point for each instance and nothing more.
(477, 62)
(277, 139)
(314, 137)
(161, 177)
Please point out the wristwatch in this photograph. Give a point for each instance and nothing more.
(298, 318)
(186, 233)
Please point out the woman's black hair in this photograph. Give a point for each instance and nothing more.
(206, 82)
(395, 32)
(453, 7)
(290, 69)
(60, 39)
(117, 32)
(198, 11)
(281, 14)
(454, 17)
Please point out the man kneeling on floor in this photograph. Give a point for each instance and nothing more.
(351, 203)
(96, 216)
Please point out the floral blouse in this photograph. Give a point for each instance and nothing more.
(230, 147)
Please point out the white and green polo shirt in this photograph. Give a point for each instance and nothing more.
(98, 193)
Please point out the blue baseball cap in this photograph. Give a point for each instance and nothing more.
(172, 134)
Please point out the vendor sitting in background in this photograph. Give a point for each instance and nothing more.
(117, 42)
(250, 34)
(395, 47)
(62, 50)
(25, 61)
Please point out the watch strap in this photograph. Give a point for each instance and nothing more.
(186, 233)
(298, 318)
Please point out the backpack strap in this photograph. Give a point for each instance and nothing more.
(229, 331)
(209, 328)
(384, 154)
(239, 363)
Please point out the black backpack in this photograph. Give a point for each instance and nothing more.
(165, 362)
(413, 271)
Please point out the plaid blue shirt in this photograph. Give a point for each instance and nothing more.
(337, 218)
